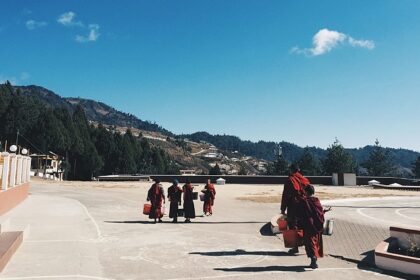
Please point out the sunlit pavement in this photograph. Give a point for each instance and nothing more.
(95, 233)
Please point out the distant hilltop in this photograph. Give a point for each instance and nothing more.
(100, 113)
(94, 110)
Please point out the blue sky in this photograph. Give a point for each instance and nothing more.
(299, 71)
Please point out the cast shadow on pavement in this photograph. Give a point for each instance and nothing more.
(179, 222)
(266, 230)
(372, 207)
(132, 222)
(240, 252)
(294, 268)
(368, 263)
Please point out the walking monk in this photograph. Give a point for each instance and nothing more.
(311, 215)
(156, 196)
(189, 210)
(174, 196)
(292, 193)
(209, 196)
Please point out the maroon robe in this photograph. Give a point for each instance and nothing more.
(174, 196)
(293, 190)
(156, 196)
(311, 215)
(209, 196)
(189, 209)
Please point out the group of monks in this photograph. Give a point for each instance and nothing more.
(304, 212)
(156, 196)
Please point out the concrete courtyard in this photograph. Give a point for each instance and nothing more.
(97, 231)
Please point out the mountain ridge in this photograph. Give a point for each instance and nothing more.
(100, 112)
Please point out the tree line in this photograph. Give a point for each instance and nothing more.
(87, 150)
(379, 162)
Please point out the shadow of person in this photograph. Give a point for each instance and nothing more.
(293, 268)
(132, 222)
(266, 230)
(240, 252)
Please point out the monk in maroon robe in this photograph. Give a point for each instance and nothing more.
(156, 196)
(292, 192)
(189, 209)
(174, 196)
(311, 215)
(209, 195)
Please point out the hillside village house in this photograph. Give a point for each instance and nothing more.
(47, 166)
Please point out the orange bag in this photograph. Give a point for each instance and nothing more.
(282, 224)
(146, 208)
(293, 238)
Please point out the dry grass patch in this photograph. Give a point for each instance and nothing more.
(263, 198)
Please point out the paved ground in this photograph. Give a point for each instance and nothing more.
(75, 232)
(363, 222)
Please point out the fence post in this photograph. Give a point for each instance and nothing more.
(12, 173)
(5, 172)
(28, 171)
(19, 170)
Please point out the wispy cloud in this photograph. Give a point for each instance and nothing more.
(26, 12)
(92, 36)
(325, 40)
(24, 76)
(13, 79)
(68, 19)
(33, 24)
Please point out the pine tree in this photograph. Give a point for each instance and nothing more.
(308, 164)
(379, 162)
(215, 170)
(338, 160)
(416, 168)
(279, 167)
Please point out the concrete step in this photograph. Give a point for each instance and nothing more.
(9, 243)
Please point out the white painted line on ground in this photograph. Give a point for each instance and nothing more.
(98, 231)
(360, 212)
(58, 240)
(398, 212)
(361, 199)
(57, 277)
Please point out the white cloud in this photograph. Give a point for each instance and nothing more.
(325, 40)
(26, 12)
(24, 76)
(368, 44)
(3, 80)
(67, 19)
(32, 24)
(92, 36)
(14, 80)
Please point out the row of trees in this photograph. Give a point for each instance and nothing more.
(88, 150)
(338, 160)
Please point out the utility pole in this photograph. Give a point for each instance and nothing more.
(17, 137)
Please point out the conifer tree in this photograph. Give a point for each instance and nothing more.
(338, 160)
(416, 168)
(379, 162)
(308, 164)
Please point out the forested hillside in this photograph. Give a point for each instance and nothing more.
(53, 123)
(88, 150)
(94, 110)
(402, 158)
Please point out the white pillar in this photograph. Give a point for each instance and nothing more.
(5, 176)
(26, 169)
(19, 170)
(28, 172)
(23, 170)
(13, 168)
